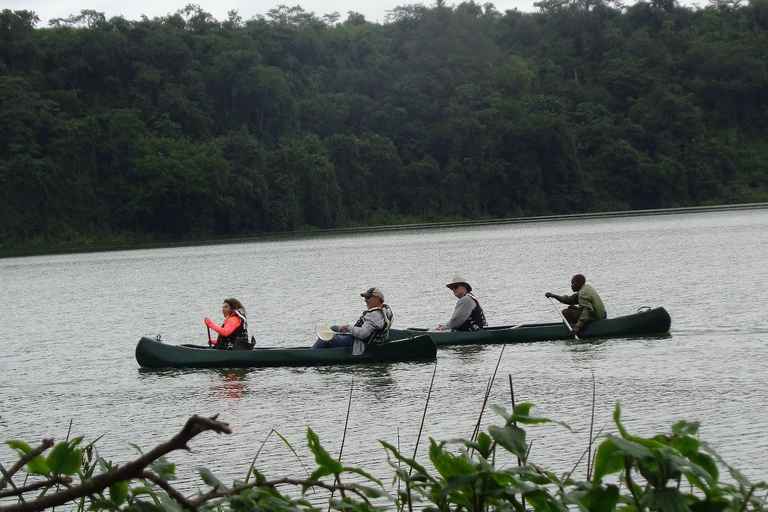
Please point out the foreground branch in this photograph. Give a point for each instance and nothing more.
(274, 483)
(134, 469)
(19, 491)
(7, 475)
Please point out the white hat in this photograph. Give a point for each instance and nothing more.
(457, 281)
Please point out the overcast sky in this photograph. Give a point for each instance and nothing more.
(374, 10)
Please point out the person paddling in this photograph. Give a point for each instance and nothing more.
(590, 305)
(233, 333)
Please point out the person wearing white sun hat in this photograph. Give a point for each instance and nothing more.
(468, 314)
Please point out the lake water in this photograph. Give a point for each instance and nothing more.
(72, 323)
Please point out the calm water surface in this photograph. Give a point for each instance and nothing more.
(72, 323)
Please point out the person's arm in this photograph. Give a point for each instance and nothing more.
(461, 313)
(564, 299)
(230, 324)
(587, 307)
(371, 322)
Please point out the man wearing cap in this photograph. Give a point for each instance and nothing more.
(372, 327)
(590, 305)
(468, 314)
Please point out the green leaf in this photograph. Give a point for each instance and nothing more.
(449, 465)
(64, 459)
(707, 463)
(484, 443)
(20, 447)
(600, 499)
(38, 465)
(511, 438)
(210, 479)
(373, 492)
(522, 409)
(118, 492)
(666, 500)
(541, 500)
(717, 505)
(327, 465)
(102, 504)
(501, 411)
(685, 445)
(421, 470)
(169, 504)
(362, 473)
(143, 506)
(631, 448)
(685, 428)
(460, 484)
(164, 469)
(608, 460)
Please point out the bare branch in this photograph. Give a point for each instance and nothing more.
(134, 469)
(18, 491)
(746, 499)
(172, 492)
(274, 483)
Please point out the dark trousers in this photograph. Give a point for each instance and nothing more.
(572, 314)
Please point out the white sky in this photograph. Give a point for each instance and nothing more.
(373, 10)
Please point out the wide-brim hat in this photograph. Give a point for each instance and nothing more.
(457, 281)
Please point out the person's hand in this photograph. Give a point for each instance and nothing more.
(575, 330)
(343, 327)
(439, 327)
(209, 322)
(549, 295)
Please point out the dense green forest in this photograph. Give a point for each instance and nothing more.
(187, 126)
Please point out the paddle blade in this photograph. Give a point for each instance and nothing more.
(324, 332)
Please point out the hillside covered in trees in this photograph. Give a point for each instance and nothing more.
(186, 126)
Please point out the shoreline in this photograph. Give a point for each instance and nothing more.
(288, 235)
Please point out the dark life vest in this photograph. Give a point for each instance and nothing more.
(379, 335)
(238, 340)
(476, 320)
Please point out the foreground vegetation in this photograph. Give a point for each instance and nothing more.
(675, 471)
(187, 126)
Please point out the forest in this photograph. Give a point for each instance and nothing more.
(188, 127)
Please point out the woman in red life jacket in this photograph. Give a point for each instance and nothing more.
(233, 333)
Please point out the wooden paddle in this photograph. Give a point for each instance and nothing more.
(325, 333)
(567, 325)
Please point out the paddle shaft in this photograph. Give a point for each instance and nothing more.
(567, 325)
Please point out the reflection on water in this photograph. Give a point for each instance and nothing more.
(90, 310)
(233, 385)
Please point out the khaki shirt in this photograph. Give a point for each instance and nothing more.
(590, 303)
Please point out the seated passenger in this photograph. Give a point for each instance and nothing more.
(371, 328)
(468, 314)
(233, 333)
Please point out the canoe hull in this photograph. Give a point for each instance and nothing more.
(151, 353)
(650, 322)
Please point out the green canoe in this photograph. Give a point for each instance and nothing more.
(650, 321)
(151, 353)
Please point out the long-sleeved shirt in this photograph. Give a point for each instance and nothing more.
(230, 324)
(590, 303)
(373, 319)
(461, 313)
